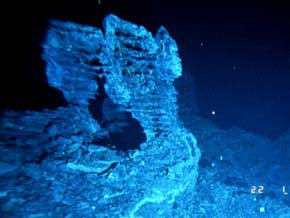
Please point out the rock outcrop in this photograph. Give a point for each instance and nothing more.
(52, 165)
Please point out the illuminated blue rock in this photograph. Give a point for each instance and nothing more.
(64, 163)
(60, 171)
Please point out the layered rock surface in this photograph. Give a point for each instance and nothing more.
(53, 168)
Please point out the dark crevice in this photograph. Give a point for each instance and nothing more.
(125, 132)
(96, 105)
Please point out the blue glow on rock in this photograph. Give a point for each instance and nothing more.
(58, 169)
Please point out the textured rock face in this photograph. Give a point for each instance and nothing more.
(67, 175)
(139, 69)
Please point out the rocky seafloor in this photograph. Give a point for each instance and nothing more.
(128, 143)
